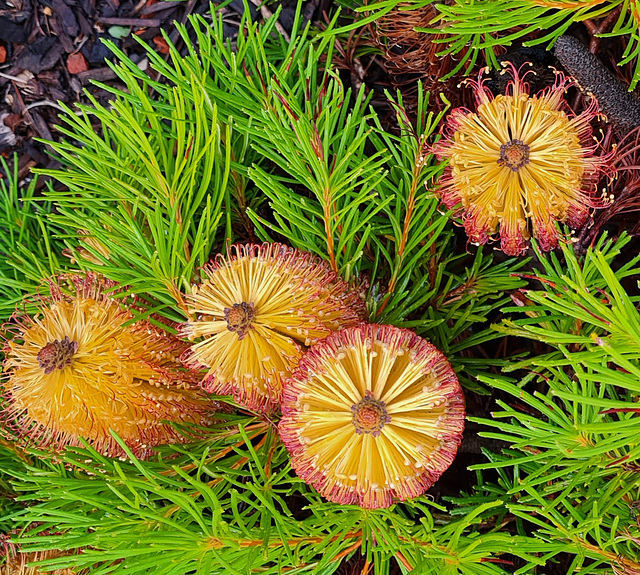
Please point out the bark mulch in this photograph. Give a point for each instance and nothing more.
(51, 51)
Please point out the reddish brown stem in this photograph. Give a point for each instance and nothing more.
(215, 543)
(601, 28)
(401, 558)
(261, 428)
(347, 551)
(327, 215)
(415, 179)
(562, 5)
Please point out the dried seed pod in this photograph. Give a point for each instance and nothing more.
(613, 97)
(410, 55)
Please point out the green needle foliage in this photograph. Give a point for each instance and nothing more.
(322, 148)
(477, 28)
(570, 424)
(146, 193)
(11, 462)
(28, 254)
(490, 23)
(222, 506)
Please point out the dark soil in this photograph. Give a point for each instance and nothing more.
(50, 51)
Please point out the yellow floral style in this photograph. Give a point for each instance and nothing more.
(256, 312)
(519, 164)
(372, 414)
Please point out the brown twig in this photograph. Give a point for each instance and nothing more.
(410, 56)
(601, 28)
(568, 4)
(408, 220)
(328, 216)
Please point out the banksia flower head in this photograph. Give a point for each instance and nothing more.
(84, 366)
(519, 164)
(257, 311)
(372, 414)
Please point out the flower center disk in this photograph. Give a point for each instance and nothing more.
(514, 154)
(239, 318)
(369, 415)
(57, 354)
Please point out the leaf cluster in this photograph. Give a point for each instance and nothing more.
(145, 193)
(570, 426)
(474, 29)
(261, 141)
(28, 251)
(224, 505)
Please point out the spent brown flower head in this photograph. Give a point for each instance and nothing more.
(256, 312)
(372, 414)
(89, 249)
(520, 163)
(409, 55)
(84, 366)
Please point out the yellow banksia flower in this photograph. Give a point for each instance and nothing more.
(519, 164)
(256, 312)
(372, 414)
(83, 366)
